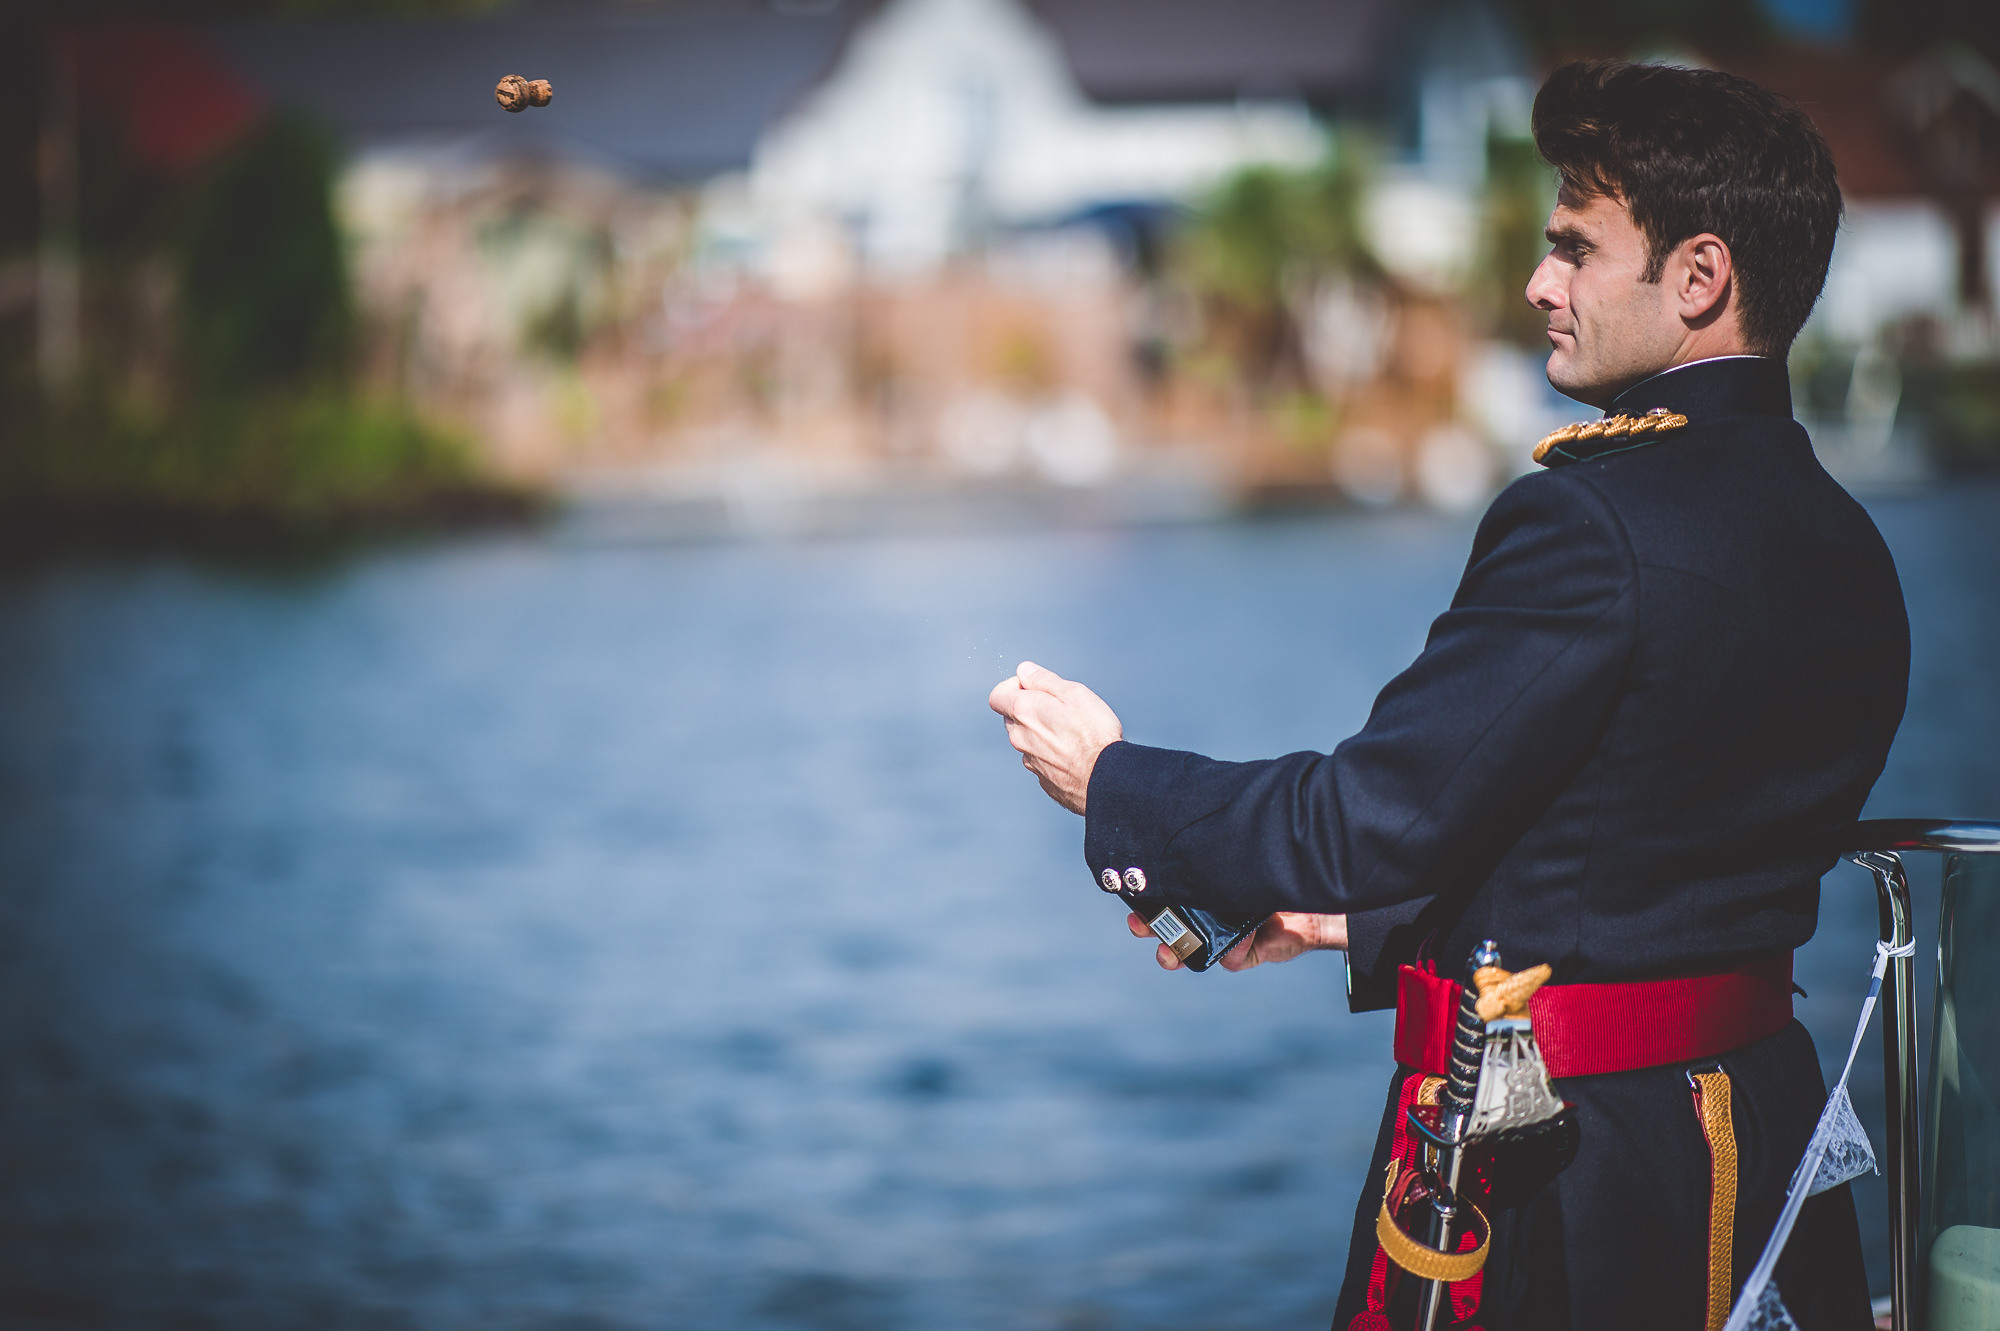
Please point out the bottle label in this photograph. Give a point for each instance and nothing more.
(1172, 930)
(1167, 927)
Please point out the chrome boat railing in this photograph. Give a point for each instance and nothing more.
(1877, 846)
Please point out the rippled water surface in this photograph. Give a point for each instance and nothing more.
(524, 933)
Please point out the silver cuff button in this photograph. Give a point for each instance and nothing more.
(1108, 880)
(1135, 880)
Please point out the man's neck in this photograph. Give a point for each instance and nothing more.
(1710, 342)
(1710, 349)
(1682, 365)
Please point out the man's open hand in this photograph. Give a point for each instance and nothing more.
(1059, 727)
(1280, 938)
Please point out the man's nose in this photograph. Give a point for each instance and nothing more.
(1545, 289)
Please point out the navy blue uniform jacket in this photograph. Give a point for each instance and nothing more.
(1669, 676)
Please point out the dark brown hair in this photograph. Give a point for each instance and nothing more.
(1695, 150)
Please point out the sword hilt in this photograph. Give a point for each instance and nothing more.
(1469, 1038)
(1468, 1047)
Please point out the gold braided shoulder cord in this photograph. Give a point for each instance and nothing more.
(1420, 1259)
(1657, 421)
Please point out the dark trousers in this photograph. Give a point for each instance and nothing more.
(1620, 1237)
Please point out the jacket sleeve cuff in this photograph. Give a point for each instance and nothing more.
(1379, 942)
(1115, 831)
(1137, 800)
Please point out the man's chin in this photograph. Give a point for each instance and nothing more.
(1563, 376)
(1567, 378)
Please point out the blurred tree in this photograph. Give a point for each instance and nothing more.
(1946, 105)
(1260, 241)
(1244, 236)
(39, 150)
(1520, 191)
(263, 295)
(266, 423)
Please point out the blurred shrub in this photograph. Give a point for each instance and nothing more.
(1821, 371)
(554, 275)
(1958, 408)
(321, 458)
(262, 279)
(1520, 192)
(556, 330)
(1257, 245)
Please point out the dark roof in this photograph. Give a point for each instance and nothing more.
(679, 90)
(1208, 50)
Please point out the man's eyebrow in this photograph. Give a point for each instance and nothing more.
(1567, 235)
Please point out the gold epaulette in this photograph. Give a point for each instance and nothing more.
(1657, 421)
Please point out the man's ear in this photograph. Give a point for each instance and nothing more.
(1702, 269)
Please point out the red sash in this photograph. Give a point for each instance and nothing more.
(1587, 1029)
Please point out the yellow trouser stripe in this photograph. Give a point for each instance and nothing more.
(1711, 1101)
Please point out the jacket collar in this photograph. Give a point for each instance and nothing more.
(1725, 386)
(1700, 390)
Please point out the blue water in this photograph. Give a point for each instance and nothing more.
(530, 933)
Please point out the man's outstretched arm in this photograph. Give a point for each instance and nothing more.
(1459, 753)
(1059, 728)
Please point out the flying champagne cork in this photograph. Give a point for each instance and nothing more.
(515, 93)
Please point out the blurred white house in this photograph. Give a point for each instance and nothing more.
(787, 205)
(948, 120)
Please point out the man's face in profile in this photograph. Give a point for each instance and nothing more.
(1608, 327)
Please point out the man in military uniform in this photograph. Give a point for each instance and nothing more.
(1669, 676)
